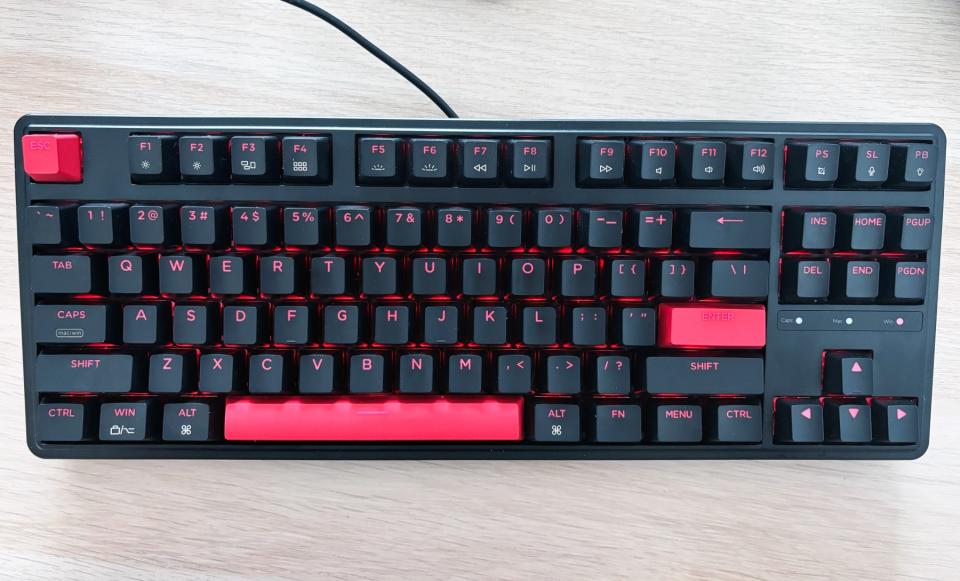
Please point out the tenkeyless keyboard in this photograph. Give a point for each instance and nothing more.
(320, 288)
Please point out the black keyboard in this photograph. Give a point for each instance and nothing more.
(322, 288)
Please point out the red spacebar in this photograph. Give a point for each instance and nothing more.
(382, 419)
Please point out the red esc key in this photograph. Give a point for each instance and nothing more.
(53, 157)
(700, 326)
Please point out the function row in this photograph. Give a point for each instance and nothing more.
(845, 420)
(406, 227)
(527, 276)
(818, 230)
(407, 371)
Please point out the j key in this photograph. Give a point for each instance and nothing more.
(146, 324)
(128, 421)
(601, 228)
(556, 422)
(103, 224)
(504, 228)
(798, 421)
(811, 230)
(627, 278)
(514, 374)
(903, 281)
(489, 325)
(806, 280)
(219, 373)
(68, 274)
(254, 225)
(912, 165)
(652, 229)
(578, 278)
(317, 372)
(750, 164)
(431, 161)
(64, 422)
(600, 161)
(527, 276)
(181, 274)
(341, 324)
(613, 374)
(479, 276)
(651, 162)
(231, 275)
(812, 165)
(52, 225)
(352, 226)
(79, 372)
(172, 373)
(244, 325)
(195, 324)
(734, 423)
(864, 230)
(737, 278)
(404, 227)
(529, 161)
(203, 225)
(328, 275)
(429, 276)
(863, 165)
(637, 327)
(415, 373)
(132, 274)
(539, 325)
(588, 326)
(281, 275)
(292, 324)
(379, 160)
(154, 225)
(465, 374)
(729, 230)
(916, 230)
(379, 275)
(563, 374)
(204, 159)
(676, 278)
(270, 373)
(704, 375)
(618, 423)
(306, 159)
(305, 227)
(440, 325)
(75, 324)
(454, 227)
(847, 423)
(673, 423)
(391, 324)
(255, 158)
(859, 280)
(702, 163)
(479, 162)
(554, 227)
(895, 421)
(153, 158)
(186, 422)
(367, 373)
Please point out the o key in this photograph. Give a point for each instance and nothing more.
(697, 326)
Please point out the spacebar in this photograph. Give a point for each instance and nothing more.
(383, 419)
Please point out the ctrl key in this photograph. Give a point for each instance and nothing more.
(63, 422)
(127, 421)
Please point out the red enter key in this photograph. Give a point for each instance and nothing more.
(708, 326)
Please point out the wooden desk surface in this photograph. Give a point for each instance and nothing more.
(876, 60)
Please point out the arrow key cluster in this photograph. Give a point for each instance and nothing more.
(845, 421)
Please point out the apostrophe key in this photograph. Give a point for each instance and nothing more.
(243, 288)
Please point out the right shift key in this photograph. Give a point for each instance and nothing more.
(727, 229)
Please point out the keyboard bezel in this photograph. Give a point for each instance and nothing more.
(106, 174)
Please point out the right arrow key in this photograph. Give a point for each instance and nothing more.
(848, 372)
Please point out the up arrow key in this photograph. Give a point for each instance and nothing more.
(848, 373)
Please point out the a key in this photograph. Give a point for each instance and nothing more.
(554, 227)
(504, 228)
(556, 422)
(204, 159)
(341, 324)
(380, 160)
(154, 225)
(479, 277)
(66, 274)
(848, 372)
(146, 324)
(93, 372)
(391, 324)
(195, 324)
(254, 226)
(281, 275)
(864, 230)
(563, 374)
(514, 374)
(915, 230)
(708, 325)
(746, 279)
(153, 158)
(588, 326)
(103, 224)
(127, 421)
(612, 374)
(132, 274)
(440, 325)
(172, 372)
(601, 228)
(676, 278)
(306, 159)
(527, 276)
(415, 373)
(465, 373)
(903, 281)
(847, 422)
(255, 158)
(863, 165)
(706, 375)
(270, 373)
(219, 373)
(812, 164)
(52, 225)
(858, 280)
(489, 325)
(798, 421)
(75, 324)
(734, 422)
(750, 164)
(231, 275)
(244, 325)
(379, 275)
(186, 422)
(352, 226)
(203, 226)
(600, 161)
(627, 278)
(367, 373)
(539, 325)
(912, 165)
(181, 274)
(305, 227)
(701, 163)
(652, 228)
(479, 162)
(328, 275)
(726, 230)
(429, 276)
(292, 324)
(454, 227)
(64, 421)
(676, 423)
(317, 372)
(637, 327)
(895, 421)
(810, 230)
(404, 227)
(618, 423)
(431, 161)
(651, 162)
(529, 162)
(578, 277)
(806, 280)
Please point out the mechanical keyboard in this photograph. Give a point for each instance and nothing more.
(335, 288)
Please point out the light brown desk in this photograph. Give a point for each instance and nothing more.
(877, 60)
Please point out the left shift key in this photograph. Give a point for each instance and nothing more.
(87, 373)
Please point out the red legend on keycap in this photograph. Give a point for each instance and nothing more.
(53, 157)
(696, 326)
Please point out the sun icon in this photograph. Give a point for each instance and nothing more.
(197, 165)
(145, 164)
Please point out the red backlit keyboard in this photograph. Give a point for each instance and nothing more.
(300, 288)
